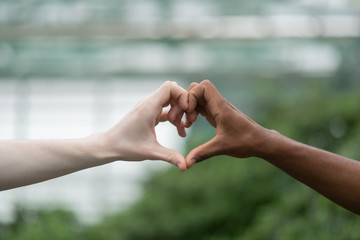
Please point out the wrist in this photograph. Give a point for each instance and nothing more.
(268, 143)
(98, 149)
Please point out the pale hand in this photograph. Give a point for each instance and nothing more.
(134, 137)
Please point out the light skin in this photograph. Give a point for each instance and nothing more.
(336, 177)
(132, 139)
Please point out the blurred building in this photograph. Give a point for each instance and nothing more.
(173, 38)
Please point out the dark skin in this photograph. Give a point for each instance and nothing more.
(334, 176)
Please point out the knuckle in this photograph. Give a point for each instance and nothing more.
(193, 84)
(167, 83)
(206, 82)
(170, 84)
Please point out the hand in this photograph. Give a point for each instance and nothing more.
(236, 134)
(134, 138)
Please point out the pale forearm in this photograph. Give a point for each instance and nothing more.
(26, 162)
(334, 176)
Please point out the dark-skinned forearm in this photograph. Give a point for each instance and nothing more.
(336, 177)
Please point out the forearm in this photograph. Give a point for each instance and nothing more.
(334, 176)
(26, 162)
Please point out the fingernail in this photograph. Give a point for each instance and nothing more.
(178, 165)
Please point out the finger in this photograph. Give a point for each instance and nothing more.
(207, 96)
(205, 91)
(170, 156)
(190, 118)
(163, 116)
(191, 114)
(192, 85)
(171, 91)
(181, 129)
(181, 95)
(175, 114)
(192, 98)
(203, 152)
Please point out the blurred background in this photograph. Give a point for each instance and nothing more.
(72, 68)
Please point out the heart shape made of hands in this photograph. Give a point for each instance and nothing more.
(236, 134)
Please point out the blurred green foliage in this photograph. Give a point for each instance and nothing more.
(222, 198)
(227, 198)
(41, 224)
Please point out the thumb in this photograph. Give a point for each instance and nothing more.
(203, 152)
(170, 156)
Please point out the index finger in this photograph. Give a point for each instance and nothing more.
(170, 91)
(192, 99)
(204, 93)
